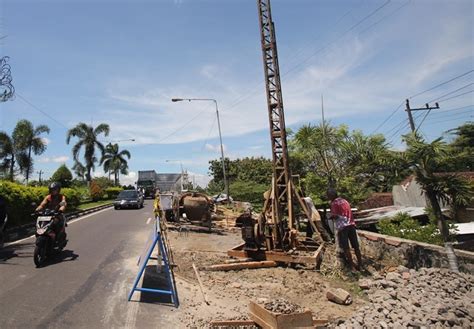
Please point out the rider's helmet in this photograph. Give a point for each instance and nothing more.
(54, 186)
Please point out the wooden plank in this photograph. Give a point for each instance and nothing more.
(270, 320)
(240, 266)
(200, 283)
(285, 258)
(319, 254)
(232, 323)
(320, 322)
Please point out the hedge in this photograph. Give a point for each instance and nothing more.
(112, 192)
(19, 199)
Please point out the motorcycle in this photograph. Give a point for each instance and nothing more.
(47, 241)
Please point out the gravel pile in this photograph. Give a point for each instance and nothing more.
(430, 297)
(283, 306)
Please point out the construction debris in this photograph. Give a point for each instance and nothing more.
(430, 297)
(282, 306)
(339, 296)
(269, 319)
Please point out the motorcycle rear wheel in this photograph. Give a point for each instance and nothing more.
(39, 255)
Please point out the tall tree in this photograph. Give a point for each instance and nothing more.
(87, 139)
(114, 161)
(426, 159)
(28, 140)
(79, 169)
(62, 175)
(7, 156)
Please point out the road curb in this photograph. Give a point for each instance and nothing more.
(23, 231)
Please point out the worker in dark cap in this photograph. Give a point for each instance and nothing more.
(345, 225)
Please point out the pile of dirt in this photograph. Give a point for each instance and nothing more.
(430, 297)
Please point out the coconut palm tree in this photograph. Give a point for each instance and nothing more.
(114, 161)
(28, 140)
(87, 139)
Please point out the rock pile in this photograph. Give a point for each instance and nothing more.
(283, 306)
(430, 297)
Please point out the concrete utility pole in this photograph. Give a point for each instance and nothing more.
(410, 116)
(40, 173)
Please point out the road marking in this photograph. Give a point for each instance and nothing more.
(70, 222)
(148, 220)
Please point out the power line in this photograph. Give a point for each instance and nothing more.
(40, 110)
(452, 92)
(208, 134)
(451, 110)
(388, 118)
(385, 17)
(442, 84)
(447, 99)
(245, 97)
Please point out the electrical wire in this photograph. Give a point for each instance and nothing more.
(388, 118)
(451, 92)
(385, 17)
(447, 99)
(441, 84)
(208, 134)
(39, 110)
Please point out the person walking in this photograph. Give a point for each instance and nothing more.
(341, 214)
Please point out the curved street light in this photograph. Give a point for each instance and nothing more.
(226, 185)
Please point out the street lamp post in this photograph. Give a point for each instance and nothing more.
(182, 172)
(226, 185)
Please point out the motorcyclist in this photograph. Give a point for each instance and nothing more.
(56, 201)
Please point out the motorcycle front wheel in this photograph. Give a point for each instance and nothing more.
(39, 255)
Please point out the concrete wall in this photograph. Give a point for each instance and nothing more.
(412, 254)
(409, 195)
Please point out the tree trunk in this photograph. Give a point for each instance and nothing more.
(29, 162)
(12, 167)
(442, 226)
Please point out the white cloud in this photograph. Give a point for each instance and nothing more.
(199, 179)
(46, 140)
(56, 159)
(215, 148)
(354, 75)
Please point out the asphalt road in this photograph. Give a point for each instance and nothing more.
(85, 286)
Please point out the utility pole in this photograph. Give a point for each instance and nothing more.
(410, 116)
(40, 173)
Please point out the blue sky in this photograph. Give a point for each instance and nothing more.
(121, 62)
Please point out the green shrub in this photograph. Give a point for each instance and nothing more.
(20, 198)
(403, 226)
(112, 192)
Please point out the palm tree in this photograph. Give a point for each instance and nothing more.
(114, 161)
(88, 138)
(426, 159)
(28, 140)
(79, 169)
(7, 155)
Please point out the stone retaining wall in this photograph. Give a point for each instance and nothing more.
(412, 254)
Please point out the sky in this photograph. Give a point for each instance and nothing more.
(120, 62)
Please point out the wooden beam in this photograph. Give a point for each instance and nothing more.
(200, 283)
(240, 266)
(232, 323)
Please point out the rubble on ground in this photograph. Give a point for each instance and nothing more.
(429, 297)
(281, 305)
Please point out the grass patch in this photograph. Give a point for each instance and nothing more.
(88, 205)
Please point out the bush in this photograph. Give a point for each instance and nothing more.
(20, 198)
(403, 226)
(112, 192)
(96, 191)
(62, 175)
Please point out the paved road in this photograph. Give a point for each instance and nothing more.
(87, 285)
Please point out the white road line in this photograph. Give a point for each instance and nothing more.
(71, 222)
(148, 220)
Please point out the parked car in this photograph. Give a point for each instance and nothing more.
(128, 199)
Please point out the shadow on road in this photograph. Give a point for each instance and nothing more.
(19, 250)
(64, 256)
(154, 280)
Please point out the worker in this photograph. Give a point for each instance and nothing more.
(316, 219)
(157, 205)
(341, 214)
